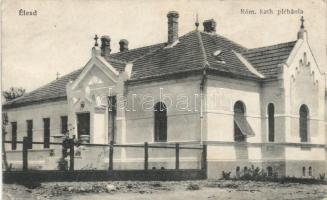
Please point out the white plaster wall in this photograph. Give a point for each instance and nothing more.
(222, 94)
(36, 113)
(272, 92)
(183, 119)
(304, 84)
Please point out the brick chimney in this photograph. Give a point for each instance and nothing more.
(123, 45)
(105, 46)
(172, 27)
(209, 26)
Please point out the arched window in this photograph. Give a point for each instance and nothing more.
(238, 172)
(303, 171)
(160, 122)
(310, 171)
(242, 128)
(271, 122)
(304, 123)
(270, 171)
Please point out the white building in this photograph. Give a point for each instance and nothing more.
(263, 106)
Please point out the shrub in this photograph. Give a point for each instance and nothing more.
(322, 176)
(226, 175)
(62, 164)
(193, 186)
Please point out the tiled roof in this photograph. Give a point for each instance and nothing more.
(53, 91)
(194, 51)
(266, 59)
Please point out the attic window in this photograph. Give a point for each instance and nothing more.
(218, 56)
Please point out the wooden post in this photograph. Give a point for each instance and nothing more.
(26, 141)
(177, 156)
(71, 154)
(146, 156)
(111, 155)
(204, 158)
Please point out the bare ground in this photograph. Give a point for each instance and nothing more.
(190, 190)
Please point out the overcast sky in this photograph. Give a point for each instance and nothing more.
(60, 37)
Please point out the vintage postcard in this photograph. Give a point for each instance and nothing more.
(189, 99)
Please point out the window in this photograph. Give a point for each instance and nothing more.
(304, 123)
(13, 135)
(242, 128)
(112, 113)
(46, 132)
(303, 171)
(83, 127)
(160, 122)
(64, 124)
(29, 124)
(238, 171)
(310, 171)
(271, 122)
(270, 171)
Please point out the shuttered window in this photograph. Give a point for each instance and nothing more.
(46, 132)
(29, 124)
(14, 135)
(242, 128)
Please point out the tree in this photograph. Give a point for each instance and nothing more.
(9, 95)
(4, 132)
(13, 93)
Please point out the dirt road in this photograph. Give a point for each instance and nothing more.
(190, 190)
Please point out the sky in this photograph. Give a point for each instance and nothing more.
(59, 39)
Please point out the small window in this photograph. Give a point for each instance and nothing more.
(303, 171)
(160, 122)
(271, 122)
(13, 135)
(219, 56)
(245, 169)
(310, 171)
(270, 171)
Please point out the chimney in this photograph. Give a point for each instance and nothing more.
(123, 45)
(105, 46)
(172, 27)
(209, 26)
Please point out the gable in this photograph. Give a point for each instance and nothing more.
(97, 73)
(95, 78)
(301, 65)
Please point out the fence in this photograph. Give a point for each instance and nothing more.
(68, 150)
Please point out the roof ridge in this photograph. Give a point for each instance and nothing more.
(206, 63)
(116, 60)
(265, 47)
(135, 49)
